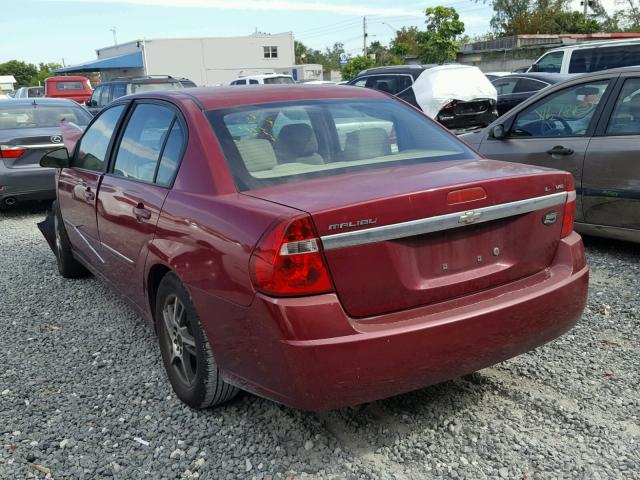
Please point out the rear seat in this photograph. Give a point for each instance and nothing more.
(258, 154)
(366, 143)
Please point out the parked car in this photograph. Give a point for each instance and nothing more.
(29, 128)
(264, 79)
(460, 97)
(320, 275)
(516, 88)
(590, 57)
(74, 88)
(106, 92)
(186, 83)
(589, 126)
(29, 92)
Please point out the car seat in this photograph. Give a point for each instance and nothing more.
(297, 143)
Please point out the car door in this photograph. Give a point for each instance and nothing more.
(611, 178)
(554, 131)
(144, 162)
(78, 185)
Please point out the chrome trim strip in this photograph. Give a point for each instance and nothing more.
(41, 145)
(117, 253)
(85, 240)
(441, 222)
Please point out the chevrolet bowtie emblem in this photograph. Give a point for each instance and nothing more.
(469, 217)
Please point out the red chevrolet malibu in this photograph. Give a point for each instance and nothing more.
(319, 246)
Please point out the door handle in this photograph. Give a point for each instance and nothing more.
(89, 196)
(560, 150)
(141, 213)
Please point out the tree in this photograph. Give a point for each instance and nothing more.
(405, 42)
(629, 16)
(574, 22)
(355, 65)
(44, 70)
(383, 56)
(439, 43)
(22, 72)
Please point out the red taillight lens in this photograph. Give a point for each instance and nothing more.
(466, 195)
(10, 151)
(288, 261)
(449, 106)
(569, 208)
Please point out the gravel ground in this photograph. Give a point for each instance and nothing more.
(83, 395)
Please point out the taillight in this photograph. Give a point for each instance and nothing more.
(449, 106)
(11, 151)
(288, 260)
(569, 208)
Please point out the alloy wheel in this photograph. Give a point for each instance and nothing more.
(180, 340)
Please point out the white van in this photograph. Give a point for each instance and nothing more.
(589, 57)
(263, 79)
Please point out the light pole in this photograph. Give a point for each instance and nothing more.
(115, 39)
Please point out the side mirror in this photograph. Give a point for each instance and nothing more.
(58, 158)
(90, 103)
(498, 132)
(534, 68)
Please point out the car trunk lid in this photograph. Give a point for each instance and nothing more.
(36, 142)
(397, 238)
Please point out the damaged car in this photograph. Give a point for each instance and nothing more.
(460, 97)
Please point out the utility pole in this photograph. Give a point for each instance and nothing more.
(115, 39)
(364, 36)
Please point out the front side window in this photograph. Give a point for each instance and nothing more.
(95, 96)
(360, 83)
(625, 119)
(270, 52)
(144, 136)
(253, 82)
(270, 144)
(566, 113)
(118, 90)
(551, 62)
(94, 144)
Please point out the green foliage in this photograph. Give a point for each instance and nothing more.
(27, 74)
(22, 72)
(438, 44)
(355, 66)
(405, 43)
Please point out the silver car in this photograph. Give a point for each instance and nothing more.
(29, 128)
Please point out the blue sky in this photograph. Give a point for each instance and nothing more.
(50, 30)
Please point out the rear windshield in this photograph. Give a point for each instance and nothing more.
(154, 86)
(69, 86)
(40, 116)
(270, 144)
(277, 80)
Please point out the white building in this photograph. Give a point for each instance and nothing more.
(6, 83)
(206, 61)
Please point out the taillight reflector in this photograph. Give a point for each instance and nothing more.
(11, 151)
(569, 208)
(466, 195)
(288, 261)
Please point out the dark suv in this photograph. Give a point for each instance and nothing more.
(106, 92)
(457, 115)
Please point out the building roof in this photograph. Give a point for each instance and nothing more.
(7, 79)
(130, 60)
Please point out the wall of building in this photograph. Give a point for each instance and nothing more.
(116, 50)
(214, 61)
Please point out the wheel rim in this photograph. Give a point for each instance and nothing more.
(180, 341)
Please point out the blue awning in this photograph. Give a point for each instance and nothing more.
(130, 60)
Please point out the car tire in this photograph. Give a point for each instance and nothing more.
(68, 266)
(186, 353)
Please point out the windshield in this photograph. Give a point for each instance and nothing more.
(270, 144)
(155, 86)
(277, 80)
(41, 116)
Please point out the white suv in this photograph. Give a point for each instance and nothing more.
(263, 79)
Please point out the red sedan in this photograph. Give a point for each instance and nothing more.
(319, 246)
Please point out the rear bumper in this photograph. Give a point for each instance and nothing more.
(27, 183)
(307, 353)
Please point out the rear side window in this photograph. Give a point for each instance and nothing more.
(625, 119)
(528, 85)
(171, 155)
(253, 82)
(92, 150)
(505, 86)
(270, 144)
(118, 90)
(142, 142)
(389, 83)
(69, 86)
(604, 58)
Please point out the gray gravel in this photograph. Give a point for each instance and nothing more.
(83, 395)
